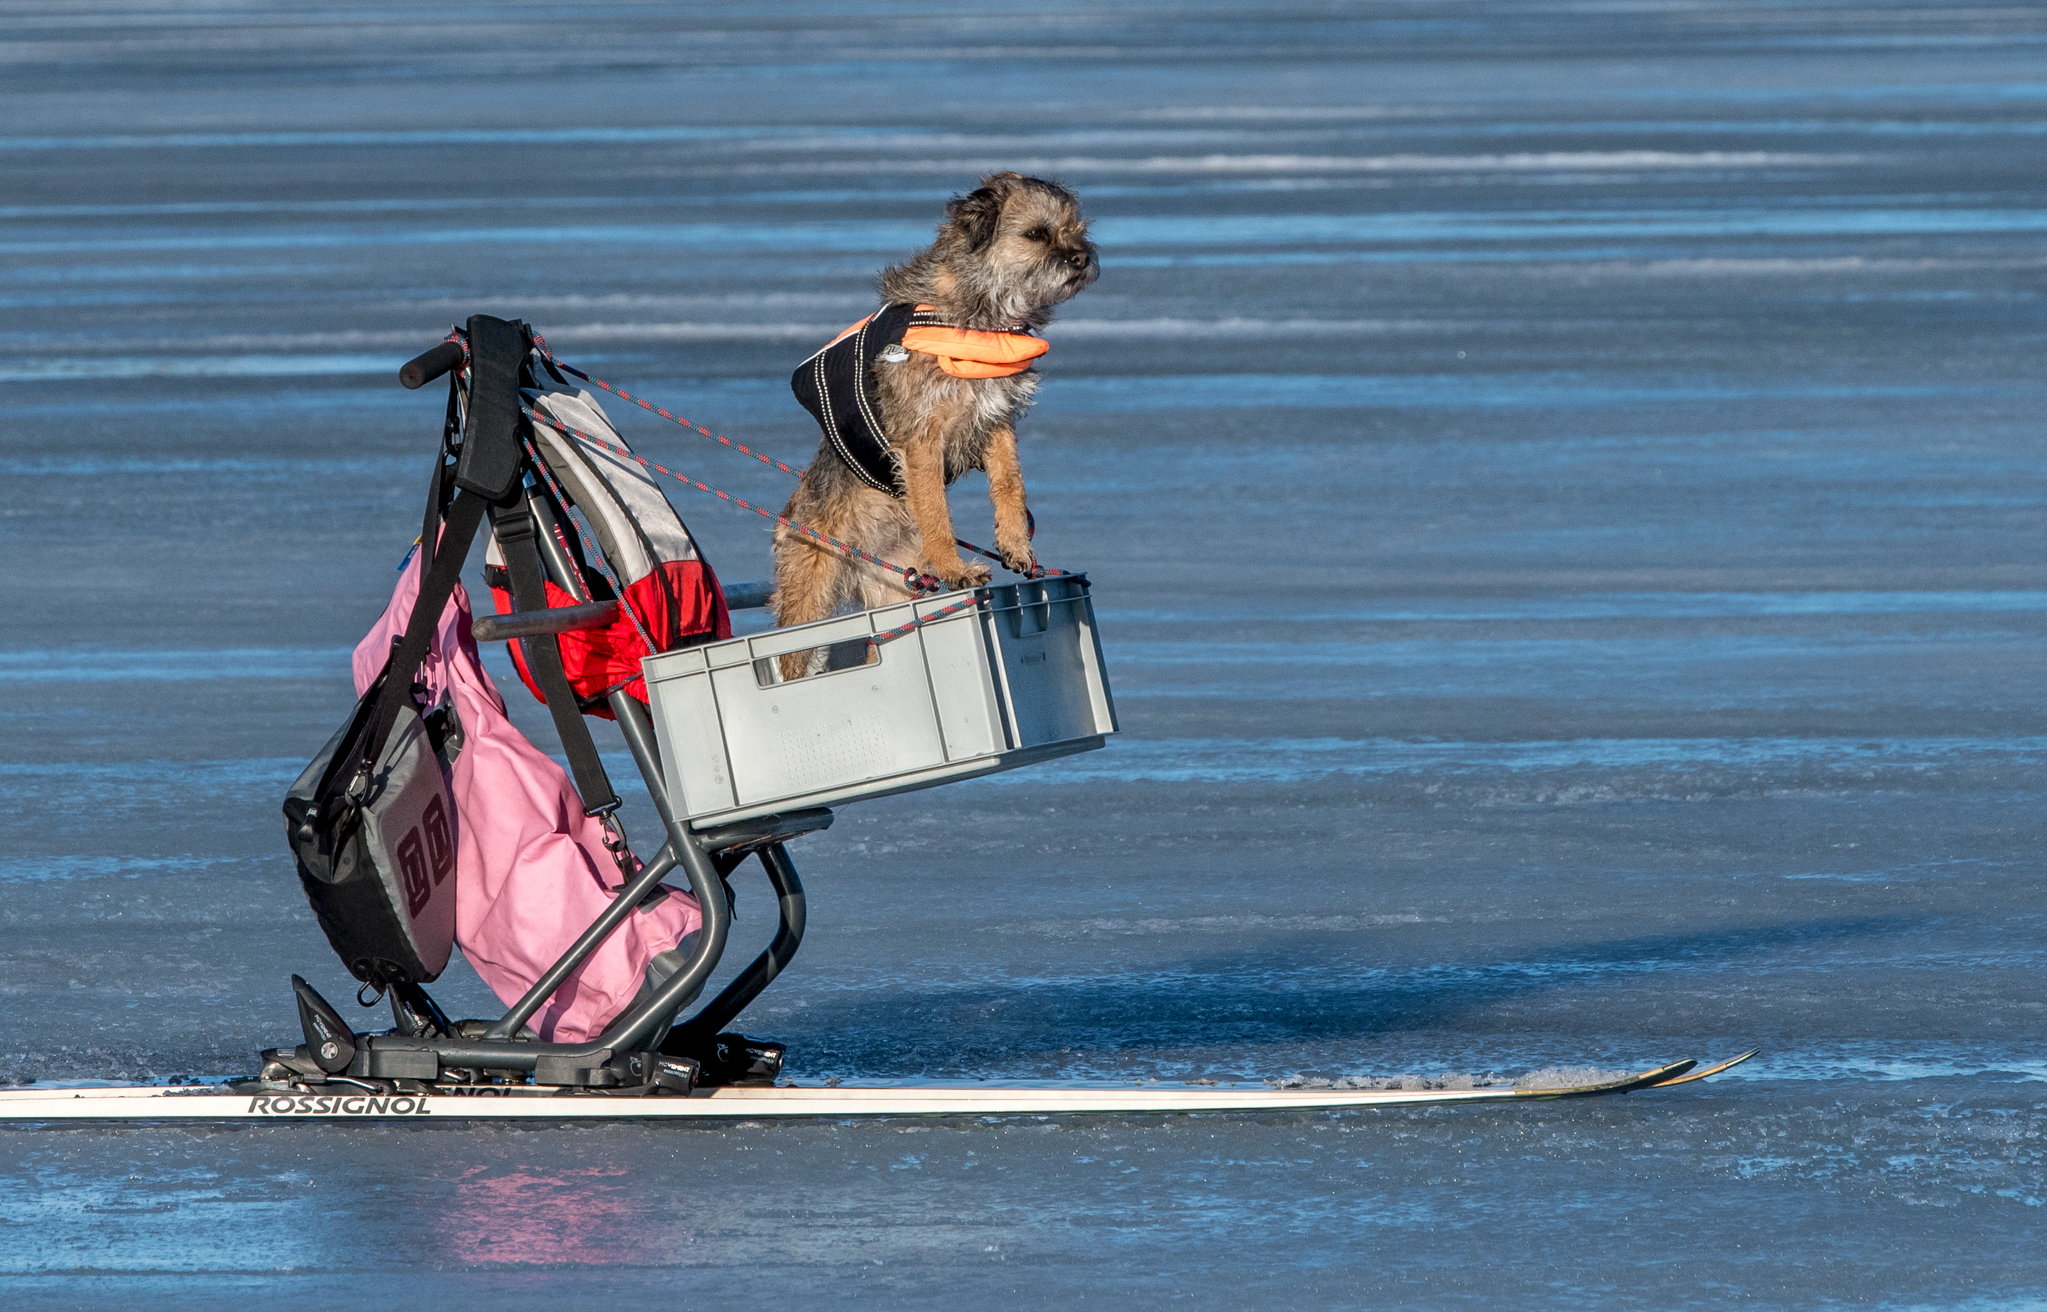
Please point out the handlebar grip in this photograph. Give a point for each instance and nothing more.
(538, 623)
(429, 365)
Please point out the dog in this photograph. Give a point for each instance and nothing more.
(927, 389)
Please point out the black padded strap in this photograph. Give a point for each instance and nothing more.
(491, 453)
(518, 539)
(439, 571)
(436, 510)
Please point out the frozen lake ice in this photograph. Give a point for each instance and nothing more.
(1563, 486)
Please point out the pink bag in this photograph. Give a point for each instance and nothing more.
(531, 870)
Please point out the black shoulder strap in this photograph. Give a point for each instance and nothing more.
(518, 539)
(440, 567)
(443, 486)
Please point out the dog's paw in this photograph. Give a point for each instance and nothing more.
(1018, 558)
(957, 573)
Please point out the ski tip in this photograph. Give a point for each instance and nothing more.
(1686, 1077)
(1661, 1077)
(1640, 1080)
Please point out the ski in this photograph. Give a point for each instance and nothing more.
(335, 1101)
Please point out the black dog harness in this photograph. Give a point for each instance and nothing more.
(837, 385)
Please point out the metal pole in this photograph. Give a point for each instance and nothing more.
(692, 1034)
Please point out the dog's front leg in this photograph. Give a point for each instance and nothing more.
(1006, 493)
(924, 489)
(809, 581)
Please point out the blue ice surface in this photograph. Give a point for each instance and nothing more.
(1113, 234)
(1562, 489)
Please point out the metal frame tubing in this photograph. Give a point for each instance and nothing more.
(634, 1028)
(629, 897)
(705, 1025)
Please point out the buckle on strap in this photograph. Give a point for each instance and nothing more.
(615, 841)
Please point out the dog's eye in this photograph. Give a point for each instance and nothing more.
(1037, 234)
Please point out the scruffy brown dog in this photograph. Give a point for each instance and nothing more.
(927, 389)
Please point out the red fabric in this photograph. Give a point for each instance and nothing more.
(680, 600)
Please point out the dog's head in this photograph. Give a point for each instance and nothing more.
(1008, 251)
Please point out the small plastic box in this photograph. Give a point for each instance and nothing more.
(1014, 680)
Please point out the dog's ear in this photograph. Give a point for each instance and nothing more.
(974, 216)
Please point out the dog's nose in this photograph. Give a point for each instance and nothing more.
(1078, 259)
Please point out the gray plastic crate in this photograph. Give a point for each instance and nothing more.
(1015, 680)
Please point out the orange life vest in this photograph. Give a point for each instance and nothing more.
(962, 352)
